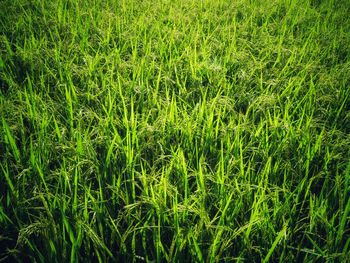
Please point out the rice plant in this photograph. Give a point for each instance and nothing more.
(174, 131)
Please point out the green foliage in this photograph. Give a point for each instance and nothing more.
(174, 131)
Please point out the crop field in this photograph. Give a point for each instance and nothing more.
(174, 131)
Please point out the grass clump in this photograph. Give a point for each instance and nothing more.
(174, 131)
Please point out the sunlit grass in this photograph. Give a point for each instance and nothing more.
(175, 131)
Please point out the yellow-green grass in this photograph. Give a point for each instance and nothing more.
(174, 131)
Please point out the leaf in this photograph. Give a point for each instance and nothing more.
(197, 249)
(278, 238)
(11, 141)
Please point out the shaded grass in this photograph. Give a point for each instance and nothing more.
(174, 131)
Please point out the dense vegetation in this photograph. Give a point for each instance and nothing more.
(174, 131)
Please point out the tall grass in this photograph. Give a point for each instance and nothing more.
(175, 131)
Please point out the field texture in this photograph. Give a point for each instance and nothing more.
(174, 131)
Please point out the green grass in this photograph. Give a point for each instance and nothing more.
(175, 131)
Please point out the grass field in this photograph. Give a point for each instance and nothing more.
(174, 131)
